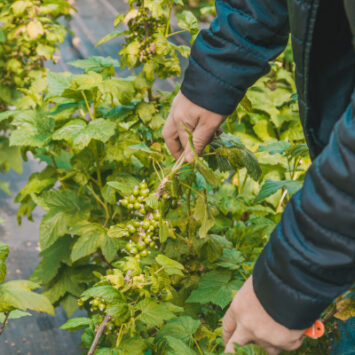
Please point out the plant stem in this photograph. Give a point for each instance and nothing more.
(87, 105)
(99, 333)
(4, 322)
(197, 346)
(175, 33)
(103, 204)
(281, 200)
(167, 28)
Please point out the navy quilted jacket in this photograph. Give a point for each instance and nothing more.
(310, 258)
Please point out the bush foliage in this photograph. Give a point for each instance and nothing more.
(152, 249)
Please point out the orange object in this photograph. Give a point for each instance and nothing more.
(316, 330)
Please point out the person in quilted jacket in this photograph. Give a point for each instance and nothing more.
(310, 258)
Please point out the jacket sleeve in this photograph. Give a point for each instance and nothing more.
(310, 258)
(234, 52)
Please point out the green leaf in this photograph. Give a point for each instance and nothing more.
(124, 184)
(270, 187)
(76, 323)
(181, 328)
(15, 314)
(5, 187)
(4, 252)
(65, 208)
(70, 304)
(96, 64)
(171, 267)
(53, 257)
(216, 287)
(92, 237)
(33, 128)
(63, 283)
(117, 231)
(79, 134)
(153, 313)
(203, 215)
(187, 21)
(18, 295)
(177, 347)
(213, 246)
(57, 83)
(230, 259)
(274, 148)
(108, 293)
(2, 36)
(109, 36)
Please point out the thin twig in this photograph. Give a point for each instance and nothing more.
(4, 322)
(98, 335)
(329, 315)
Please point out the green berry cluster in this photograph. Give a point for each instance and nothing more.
(137, 201)
(142, 230)
(96, 304)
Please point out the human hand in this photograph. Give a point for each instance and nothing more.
(202, 123)
(247, 322)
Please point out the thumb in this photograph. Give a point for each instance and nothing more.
(201, 136)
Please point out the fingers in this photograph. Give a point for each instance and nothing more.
(171, 137)
(229, 325)
(240, 337)
(201, 136)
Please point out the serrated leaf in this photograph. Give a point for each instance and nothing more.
(15, 314)
(203, 215)
(65, 208)
(70, 304)
(108, 293)
(91, 237)
(270, 187)
(53, 257)
(153, 313)
(187, 21)
(274, 148)
(57, 83)
(33, 128)
(95, 63)
(124, 183)
(76, 323)
(4, 251)
(18, 295)
(231, 259)
(171, 267)
(345, 309)
(79, 134)
(177, 347)
(216, 287)
(35, 29)
(181, 328)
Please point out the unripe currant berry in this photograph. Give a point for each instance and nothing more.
(137, 205)
(145, 224)
(143, 185)
(145, 193)
(130, 206)
(142, 211)
(152, 244)
(131, 229)
(144, 252)
(140, 198)
(140, 246)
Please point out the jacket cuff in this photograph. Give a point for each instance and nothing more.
(208, 91)
(287, 306)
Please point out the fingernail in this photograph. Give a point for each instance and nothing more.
(189, 157)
